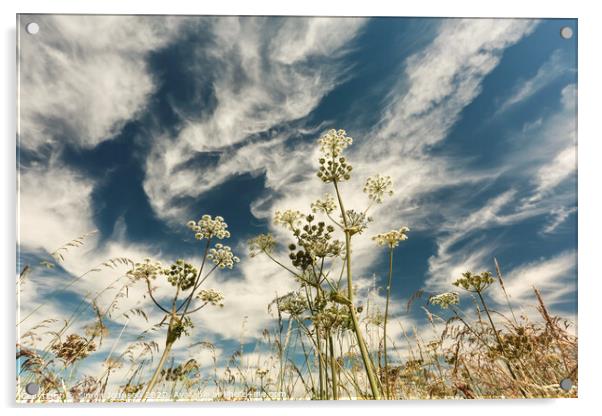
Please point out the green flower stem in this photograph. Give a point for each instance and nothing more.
(196, 282)
(321, 360)
(168, 345)
(333, 370)
(171, 339)
(387, 388)
(356, 327)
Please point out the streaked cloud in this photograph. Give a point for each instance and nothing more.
(82, 77)
(556, 66)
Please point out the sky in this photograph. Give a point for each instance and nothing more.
(130, 126)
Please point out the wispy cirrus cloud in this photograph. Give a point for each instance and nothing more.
(553, 276)
(440, 81)
(556, 66)
(271, 71)
(82, 77)
(539, 192)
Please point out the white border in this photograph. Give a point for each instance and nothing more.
(590, 208)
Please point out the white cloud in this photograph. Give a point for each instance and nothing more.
(560, 168)
(550, 71)
(255, 92)
(555, 277)
(444, 78)
(53, 205)
(82, 77)
(556, 161)
(264, 80)
(559, 215)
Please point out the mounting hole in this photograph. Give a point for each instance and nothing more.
(32, 28)
(32, 389)
(566, 32)
(566, 384)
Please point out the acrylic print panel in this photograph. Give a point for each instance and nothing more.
(287, 208)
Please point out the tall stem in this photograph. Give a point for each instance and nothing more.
(320, 366)
(387, 388)
(321, 361)
(168, 345)
(333, 370)
(356, 327)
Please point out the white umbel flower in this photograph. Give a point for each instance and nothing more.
(333, 142)
(212, 297)
(208, 227)
(326, 205)
(289, 219)
(391, 238)
(145, 270)
(222, 256)
(377, 187)
(444, 300)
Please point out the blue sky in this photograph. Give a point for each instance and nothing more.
(133, 125)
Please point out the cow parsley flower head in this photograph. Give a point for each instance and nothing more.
(474, 282)
(326, 205)
(212, 297)
(356, 221)
(222, 256)
(181, 274)
(292, 303)
(263, 243)
(333, 142)
(377, 187)
(145, 270)
(444, 300)
(290, 219)
(391, 238)
(208, 227)
(332, 318)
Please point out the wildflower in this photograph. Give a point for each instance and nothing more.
(222, 256)
(327, 205)
(292, 303)
(333, 142)
(73, 349)
(444, 300)
(263, 243)
(391, 238)
(211, 296)
(335, 169)
(145, 270)
(357, 221)
(289, 219)
(333, 317)
(132, 389)
(474, 282)
(208, 227)
(181, 274)
(377, 187)
(262, 372)
(323, 248)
